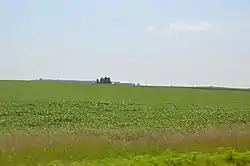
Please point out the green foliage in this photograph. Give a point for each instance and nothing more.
(112, 107)
(42, 113)
(170, 158)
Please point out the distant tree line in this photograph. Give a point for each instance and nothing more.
(104, 80)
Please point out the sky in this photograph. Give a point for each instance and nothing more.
(158, 42)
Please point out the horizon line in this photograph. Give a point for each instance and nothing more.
(151, 85)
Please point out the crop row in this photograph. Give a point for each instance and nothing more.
(115, 114)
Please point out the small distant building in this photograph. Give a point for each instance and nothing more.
(126, 83)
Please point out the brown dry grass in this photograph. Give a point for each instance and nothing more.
(236, 136)
(43, 148)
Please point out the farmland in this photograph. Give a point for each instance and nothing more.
(75, 124)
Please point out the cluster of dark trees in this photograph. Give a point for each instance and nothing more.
(104, 80)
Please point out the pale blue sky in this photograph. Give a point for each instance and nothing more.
(167, 42)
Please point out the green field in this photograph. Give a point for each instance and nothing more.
(55, 123)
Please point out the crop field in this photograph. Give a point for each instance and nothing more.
(56, 123)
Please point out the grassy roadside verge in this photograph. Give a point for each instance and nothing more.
(32, 149)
